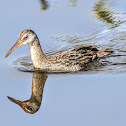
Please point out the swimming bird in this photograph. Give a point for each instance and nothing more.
(71, 60)
(33, 104)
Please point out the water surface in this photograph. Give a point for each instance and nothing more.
(91, 98)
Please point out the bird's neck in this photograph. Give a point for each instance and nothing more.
(38, 83)
(37, 54)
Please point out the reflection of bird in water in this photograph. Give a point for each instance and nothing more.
(71, 60)
(33, 104)
(44, 4)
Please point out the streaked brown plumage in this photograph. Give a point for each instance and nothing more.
(71, 60)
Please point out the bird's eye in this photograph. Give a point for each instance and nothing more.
(29, 108)
(25, 37)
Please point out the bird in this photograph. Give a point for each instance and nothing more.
(32, 105)
(76, 59)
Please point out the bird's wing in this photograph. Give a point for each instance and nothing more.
(78, 56)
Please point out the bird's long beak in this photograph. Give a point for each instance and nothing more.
(20, 103)
(17, 44)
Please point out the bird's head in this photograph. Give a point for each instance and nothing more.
(27, 36)
(28, 106)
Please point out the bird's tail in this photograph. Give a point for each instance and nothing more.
(104, 52)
